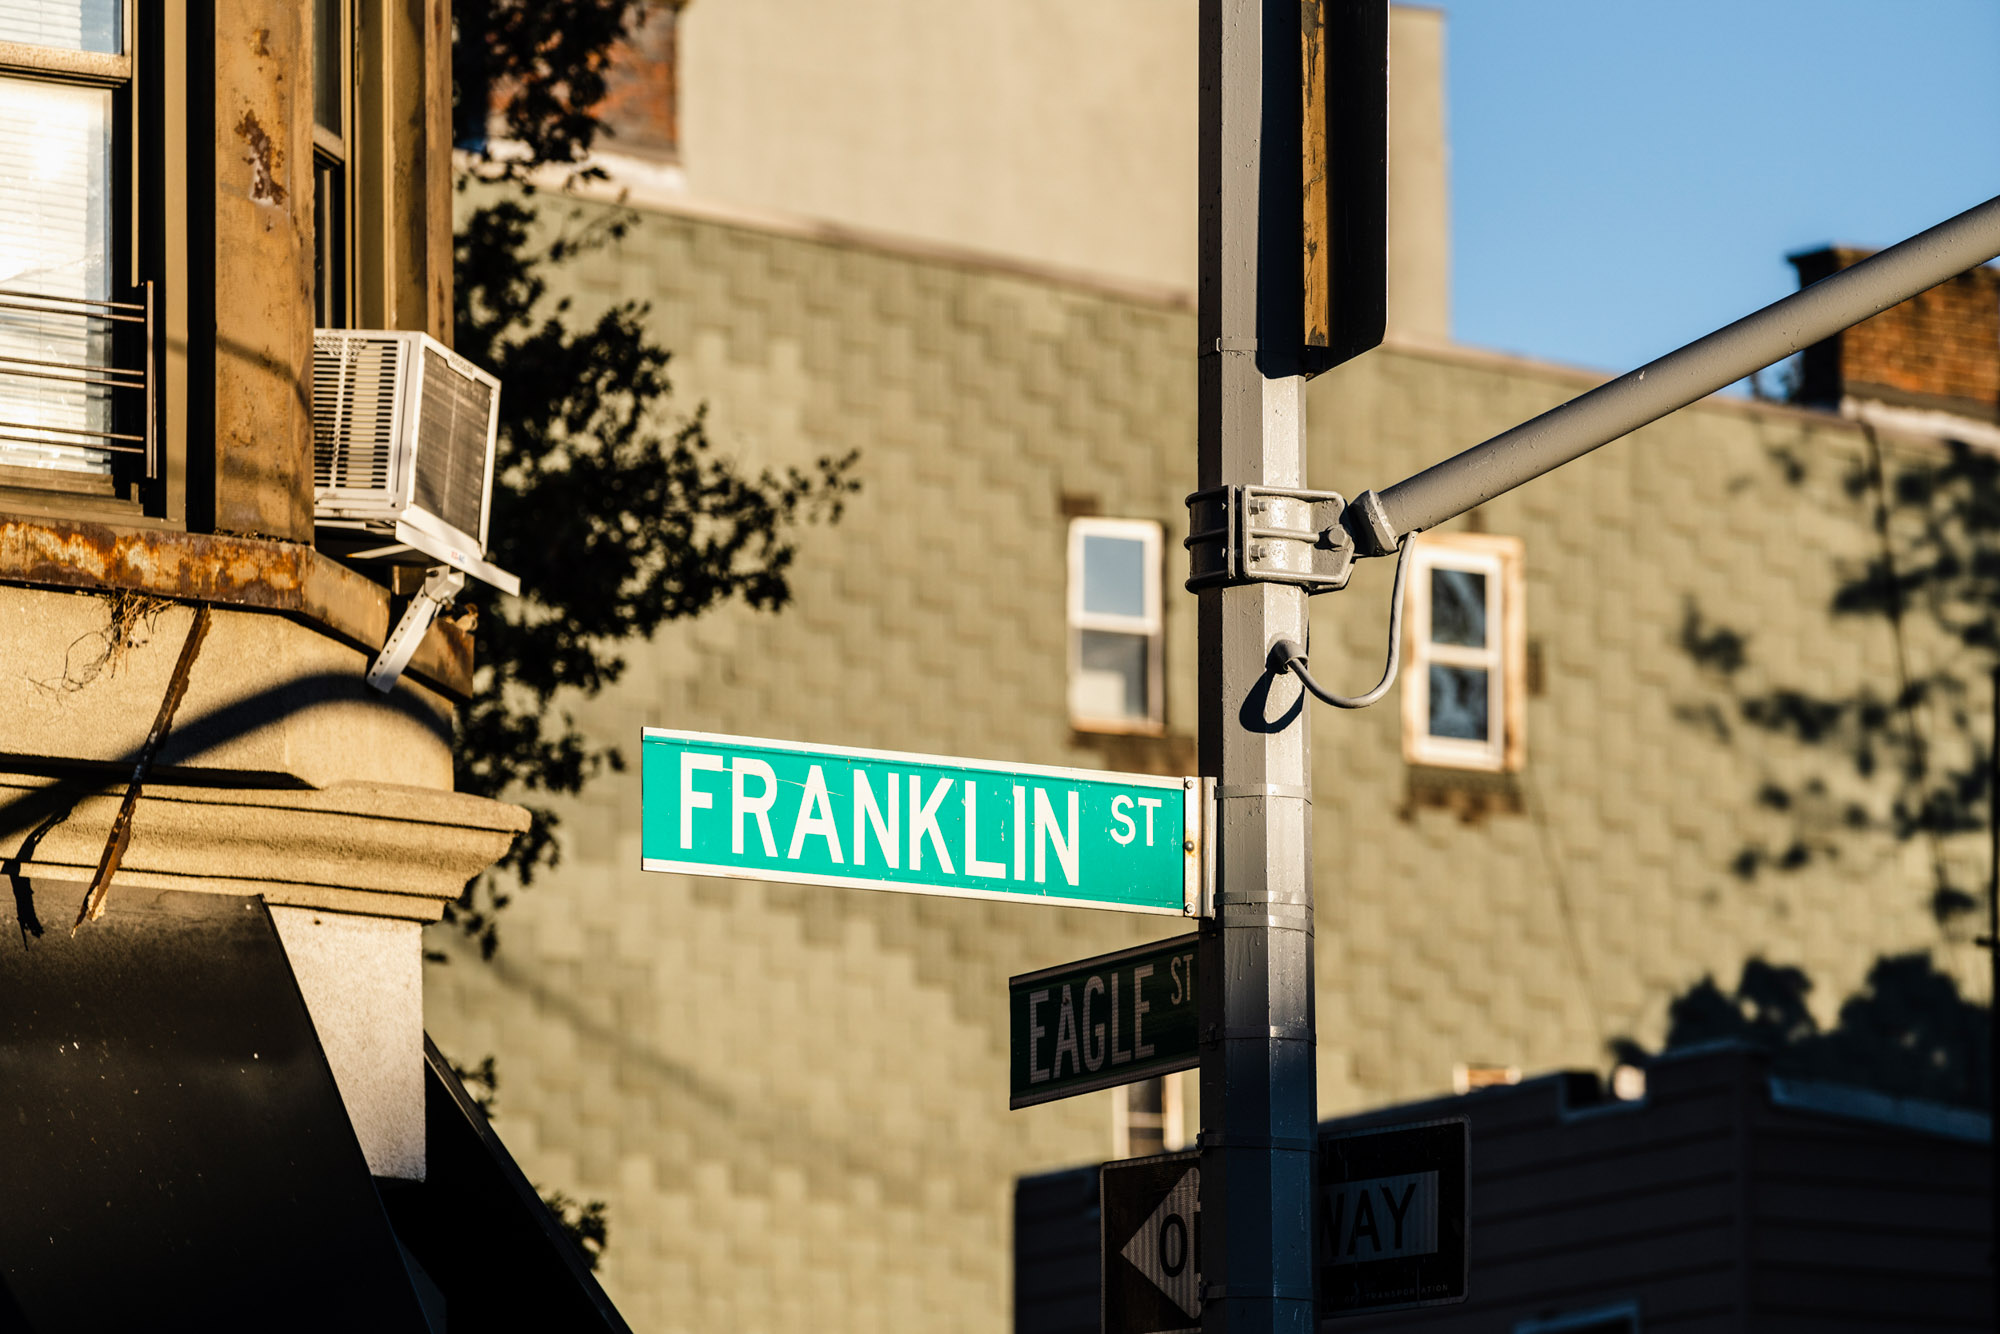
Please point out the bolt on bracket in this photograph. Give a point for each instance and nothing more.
(1268, 535)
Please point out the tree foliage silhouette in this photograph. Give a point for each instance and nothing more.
(1907, 1032)
(1917, 744)
(1910, 762)
(617, 517)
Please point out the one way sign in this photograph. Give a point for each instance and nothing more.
(1151, 1244)
(1390, 1230)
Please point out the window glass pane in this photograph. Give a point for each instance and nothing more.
(1146, 1118)
(327, 44)
(1458, 608)
(1114, 575)
(329, 244)
(55, 228)
(1458, 698)
(1110, 681)
(70, 25)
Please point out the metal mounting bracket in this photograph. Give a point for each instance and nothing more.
(1269, 535)
(440, 587)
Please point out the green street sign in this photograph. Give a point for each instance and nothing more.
(1115, 1019)
(874, 819)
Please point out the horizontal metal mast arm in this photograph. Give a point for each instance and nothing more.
(1609, 411)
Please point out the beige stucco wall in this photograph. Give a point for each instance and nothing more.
(1046, 130)
(794, 1099)
(362, 980)
(270, 700)
(283, 775)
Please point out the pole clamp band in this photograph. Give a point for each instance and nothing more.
(1267, 535)
(1262, 791)
(1265, 912)
(1267, 1033)
(1283, 1292)
(1290, 1144)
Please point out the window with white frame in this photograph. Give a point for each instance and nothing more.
(1115, 625)
(1465, 666)
(1148, 1117)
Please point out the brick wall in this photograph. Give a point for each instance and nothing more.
(641, 107)
(1939, 350)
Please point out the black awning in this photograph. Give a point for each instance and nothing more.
(173, 1151)
(482, 1232)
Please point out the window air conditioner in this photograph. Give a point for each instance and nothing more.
(403, 431)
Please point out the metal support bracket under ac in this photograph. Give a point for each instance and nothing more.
(1268, 534)
(441, 585)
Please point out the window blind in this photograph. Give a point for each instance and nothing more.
(55, 233)
(70, 25)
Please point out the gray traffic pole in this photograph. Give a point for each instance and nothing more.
(1258, 1105)
(1609, 411)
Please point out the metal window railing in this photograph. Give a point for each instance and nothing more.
(117, 338)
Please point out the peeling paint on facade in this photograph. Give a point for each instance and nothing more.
(266, 159)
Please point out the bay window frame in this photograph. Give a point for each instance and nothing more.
(146, 253)
(334, 218)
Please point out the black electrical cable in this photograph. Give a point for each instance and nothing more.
(1286, 655)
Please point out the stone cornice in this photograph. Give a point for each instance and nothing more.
(373, 848)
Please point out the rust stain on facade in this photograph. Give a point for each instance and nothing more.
(253, 573)
(266, 160)
(192, 566)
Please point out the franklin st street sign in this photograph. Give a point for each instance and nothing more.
(871, 819)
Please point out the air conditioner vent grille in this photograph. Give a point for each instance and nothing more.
(355, 384)
(454, 422)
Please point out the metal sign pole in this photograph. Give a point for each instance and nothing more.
(1256, 966)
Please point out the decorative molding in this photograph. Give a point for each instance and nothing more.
(372, 848)
(1921, 423)
(659, 188)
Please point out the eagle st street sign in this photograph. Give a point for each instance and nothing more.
(751, 808)
(1101, 1022)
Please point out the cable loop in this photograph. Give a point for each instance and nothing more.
(1286, 655)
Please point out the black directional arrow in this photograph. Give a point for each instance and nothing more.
(1151, 1239)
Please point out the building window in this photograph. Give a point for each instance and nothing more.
(333, 136)
(1147, 1118)
(642, 86)
(1471, 1076)
(1114, 625)
(1465, 672)
(1621, 1318)
(74, 336)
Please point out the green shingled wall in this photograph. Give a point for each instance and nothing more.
(795, 1099)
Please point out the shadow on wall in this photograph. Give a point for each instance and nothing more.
(1903, 756)
(1908, 1032)
(29, 815)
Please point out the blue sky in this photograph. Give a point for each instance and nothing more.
(1627, 176)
